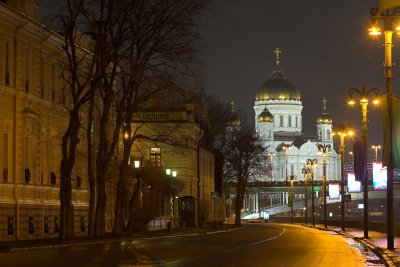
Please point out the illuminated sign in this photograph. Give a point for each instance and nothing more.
(334, 192)
(379, 176)
(353, 186)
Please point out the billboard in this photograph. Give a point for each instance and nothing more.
(334, 192)
(353, 186)
(379, 176)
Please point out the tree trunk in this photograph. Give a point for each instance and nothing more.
(91, 175)
(132, 204)
(69, 144)
(120, 205)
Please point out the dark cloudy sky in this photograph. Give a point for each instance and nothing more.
(326, 51)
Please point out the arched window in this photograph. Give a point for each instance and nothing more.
(281, 120)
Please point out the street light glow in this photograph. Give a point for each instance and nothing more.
(168, 171)
(374, 30)
(174, 173)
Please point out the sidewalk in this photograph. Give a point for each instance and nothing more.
(376, 242)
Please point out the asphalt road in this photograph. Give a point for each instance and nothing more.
(254, 245)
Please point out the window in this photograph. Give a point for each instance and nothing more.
(42, 75)
(53, 82)
(155, 156)
(27, 160)
(281, 120)
(27, 68)
(328, 134)
(290, 121)
(5, 157)
(295, 119)
(7, 63)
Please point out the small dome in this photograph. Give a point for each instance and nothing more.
(265, 116)
(324, 118)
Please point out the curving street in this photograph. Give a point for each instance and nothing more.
(254, 245)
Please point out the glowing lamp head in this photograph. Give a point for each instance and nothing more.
(126, 135)
(375, 101)
(374, 30)
(136, 164)
(168, 171)
(174, 173)
(351, 102)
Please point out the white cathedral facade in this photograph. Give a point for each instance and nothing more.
(278, 122)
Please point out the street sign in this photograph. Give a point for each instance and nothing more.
(347, 197)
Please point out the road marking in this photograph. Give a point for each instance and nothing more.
(173, 263)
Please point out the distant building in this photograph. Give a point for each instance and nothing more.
(175, 141)
(278, 122)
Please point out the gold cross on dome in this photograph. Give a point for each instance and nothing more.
(277, 52)
(324, 101)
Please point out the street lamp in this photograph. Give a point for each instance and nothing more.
(376, 148)
(364, 99)
(306, 172)
(286, 148)
(174, 216)
(323, 148)
(292, 178)
(390, 19)
(342, 131)
(311, 163)
(271, 163)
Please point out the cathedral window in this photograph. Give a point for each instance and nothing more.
(328, 134)
(281, 120)
(290, 121)
(295, 119)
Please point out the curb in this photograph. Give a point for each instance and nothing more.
(387, 256)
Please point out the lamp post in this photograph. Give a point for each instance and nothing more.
(311, 163)
(389, 18)
(173, 174)
(376, 148)
(306, 172)
(323, 148)
(292, 178)
(364, 99)
(286, 148)
(271, 163)
(342, 131)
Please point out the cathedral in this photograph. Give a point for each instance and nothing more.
(278, 122)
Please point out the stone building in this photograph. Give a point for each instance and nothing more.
(185, 152)
(33, 119)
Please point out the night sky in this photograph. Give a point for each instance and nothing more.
(326, 51)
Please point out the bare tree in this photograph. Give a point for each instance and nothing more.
(158, 67)
(244, 160)
(78, 59)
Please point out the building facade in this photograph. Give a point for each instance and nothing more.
(175, 141)
(278, 122)
(33, 119)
